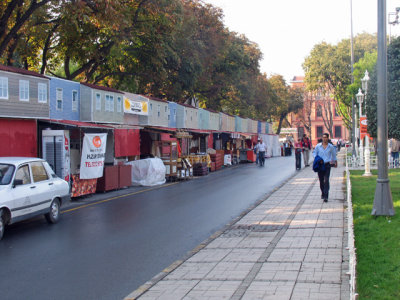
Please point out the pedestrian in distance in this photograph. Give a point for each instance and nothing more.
(298, 148)
(261, 149)
(394, 146)
(324, 158)
(256, 151)
(306, 143)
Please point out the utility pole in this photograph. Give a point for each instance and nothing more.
(383, 202)
(353, 123)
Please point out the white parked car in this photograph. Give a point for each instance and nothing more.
(29, 187)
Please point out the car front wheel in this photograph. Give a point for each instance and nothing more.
(54, 214)
(2, 224)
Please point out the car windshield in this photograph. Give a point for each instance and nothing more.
(6, 173)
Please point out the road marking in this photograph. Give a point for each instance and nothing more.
(117, 197)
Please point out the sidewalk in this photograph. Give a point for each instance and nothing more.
(291, 246)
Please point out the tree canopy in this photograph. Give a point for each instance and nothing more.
(328, 69)
(393, 92)
(171, 49)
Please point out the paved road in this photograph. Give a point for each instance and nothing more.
(107, 250)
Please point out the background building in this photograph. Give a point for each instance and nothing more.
(319, 115)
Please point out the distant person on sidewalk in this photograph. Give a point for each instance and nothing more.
(256, 152)
(261, 148)
(306, 143)
(394, 146)
(326, 152)
(298, 148)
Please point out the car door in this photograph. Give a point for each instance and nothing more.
(42, 188)
(21, 194)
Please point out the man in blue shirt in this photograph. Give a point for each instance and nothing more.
(327, 152)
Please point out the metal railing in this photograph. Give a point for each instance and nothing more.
(350, 243)
(356, 162)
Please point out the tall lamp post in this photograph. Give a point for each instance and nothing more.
(360, 99)
(353, 123)
(383, 202)
(367, 153)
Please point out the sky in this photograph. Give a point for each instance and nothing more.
(287, 30)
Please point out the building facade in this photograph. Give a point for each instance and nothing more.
(319, 115)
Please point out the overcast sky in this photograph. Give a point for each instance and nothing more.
(287, 30)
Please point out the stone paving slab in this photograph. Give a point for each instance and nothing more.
(290, 246)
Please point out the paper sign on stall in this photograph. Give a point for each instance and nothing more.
(93, 154)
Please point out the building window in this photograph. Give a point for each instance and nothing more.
(107, 103)
(151, 107)
(174, 114)
(98, 101)
(165, 108)
(319, 131)
(319, 111)
(338, 131)
(119, 104)
(24, 90)
(300, 132)
(59, 99)
(169, 113)
(111, 103)
(74, 100)
(158, 110)
(3, 88)
(42, 93)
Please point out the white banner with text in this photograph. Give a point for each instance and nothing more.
(93, 154)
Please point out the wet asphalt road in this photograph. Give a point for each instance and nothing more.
(109, 249)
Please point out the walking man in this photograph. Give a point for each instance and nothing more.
(326, 154)
(261, 148)
(256, 152)
(306, 150)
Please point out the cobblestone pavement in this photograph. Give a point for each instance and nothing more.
(291, 245)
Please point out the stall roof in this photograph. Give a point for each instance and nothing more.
(21, 71)
(159, 128)
(199, 131)
(123, 126)
(99, 87)
(78, 124)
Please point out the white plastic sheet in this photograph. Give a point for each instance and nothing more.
(272, 142)
(148, 172)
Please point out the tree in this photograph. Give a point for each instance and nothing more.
(304, 115)
(287, 100)
(393, 64)
(328, 69)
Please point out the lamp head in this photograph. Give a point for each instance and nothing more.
(360, 96)
(364, 82)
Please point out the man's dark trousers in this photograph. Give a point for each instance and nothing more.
(324, 181)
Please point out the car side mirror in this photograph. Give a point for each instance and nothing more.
(18, 182)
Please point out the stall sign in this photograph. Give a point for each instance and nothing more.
(136, 107)
(93, 154)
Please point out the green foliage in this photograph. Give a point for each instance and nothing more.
(377, 240)
(393, 68)
(328, 69)
(171, 49)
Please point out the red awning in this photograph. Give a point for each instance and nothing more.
(166, 129)
(77, 124)
(199, 131)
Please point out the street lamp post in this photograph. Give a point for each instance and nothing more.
(367, 153)
(383, 202)
(360, 99)
(353, 123)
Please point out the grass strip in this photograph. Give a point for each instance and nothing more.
(377, 239)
